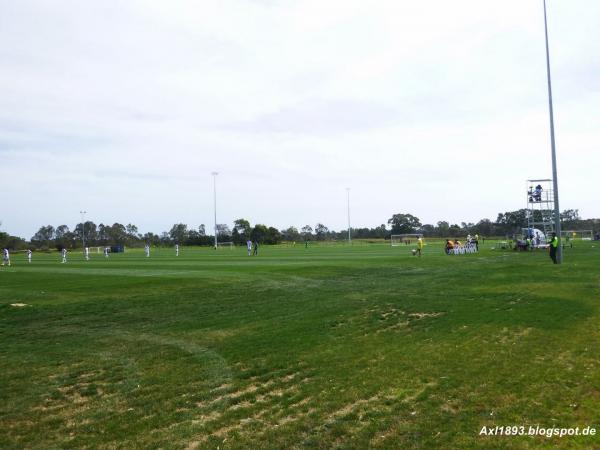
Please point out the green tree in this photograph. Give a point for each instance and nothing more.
(151, 239)
(241, 231)
(380, 232)
(455, 230)
(178, 233)
(91, 233)
(44, 237)
(291, 234)
(321, 232)
(273, 236)
(404, 223)
(103, 234)
(259, 233)
(223, 231)
(512, 221)
(133, 234)
(307, 232)
(485, 227)
(118, 234)
(63, 237)
(443, 228)
(428, 230)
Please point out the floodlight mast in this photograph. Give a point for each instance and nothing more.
(349, 229)
(214, 174)
(83, 213)
(559, 253)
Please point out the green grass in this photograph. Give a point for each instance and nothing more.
(326, 347)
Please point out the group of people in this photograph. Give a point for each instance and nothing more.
(530, 241)
(64, 253)
(252, 247)
(458, 248)
(534, 238)
(535, 194)
(6, 256)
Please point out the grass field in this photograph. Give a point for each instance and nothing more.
(325, 347)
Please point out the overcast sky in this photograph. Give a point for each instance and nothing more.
(435, 108)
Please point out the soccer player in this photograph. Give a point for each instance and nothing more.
(5, 257)
(86, 252)
(419, 246)
(553, 247)
(249, 245)
(29, 252)
(147, 250)
(176, 249)
(64, 255)
(255, 253)
(449, 246)
(106, 252)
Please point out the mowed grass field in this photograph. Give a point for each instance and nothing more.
(325, 347)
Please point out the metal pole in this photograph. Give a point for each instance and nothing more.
(83, 213)
(214, 174)
(349, 232)
(559, 253)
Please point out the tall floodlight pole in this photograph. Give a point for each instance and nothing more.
(214, 174)
(559, 253)
(83, 213)
(348, 197)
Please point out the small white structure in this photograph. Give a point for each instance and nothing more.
(537, 236)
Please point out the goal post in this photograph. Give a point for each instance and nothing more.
(228, 245)
(397, 240)
(582, 235)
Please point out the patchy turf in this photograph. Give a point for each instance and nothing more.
(327, 347)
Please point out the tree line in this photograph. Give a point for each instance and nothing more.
(506, 224)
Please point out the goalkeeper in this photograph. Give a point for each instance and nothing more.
(420, 245)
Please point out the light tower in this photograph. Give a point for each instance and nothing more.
(83, 213)
(541, 210)
(214, 174)
(559, 255)
(349, 229)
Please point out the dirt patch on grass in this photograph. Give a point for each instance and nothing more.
(450, 408)
(423, 315)
(264, 402)
(223, 387)
(350, 408)
(510, 336)
(210, 417)
(387, 318)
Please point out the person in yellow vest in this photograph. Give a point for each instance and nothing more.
(420, 245)
(553, 247)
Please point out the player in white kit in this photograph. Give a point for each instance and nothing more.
(64, 255)
(176, 249)
(147, 250)
(249, 245)
(29, 252)
(86, 252)
(5, 257)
